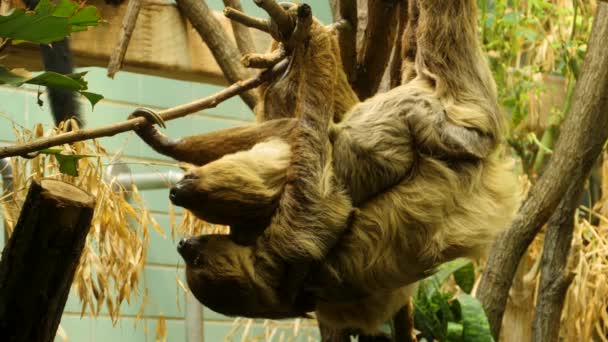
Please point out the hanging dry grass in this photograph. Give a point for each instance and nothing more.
(114, 255)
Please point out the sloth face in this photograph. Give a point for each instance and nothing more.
(225, 277)
(240, 189)
(224, 200)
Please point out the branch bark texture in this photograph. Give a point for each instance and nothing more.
(375, 51)
(583, 134)
(40, 259)
(555, 277)
(242, 35)
(128, 26)
(224, 51)
(346, 11)
(129, 125)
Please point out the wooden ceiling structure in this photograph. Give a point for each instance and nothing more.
(164, 44)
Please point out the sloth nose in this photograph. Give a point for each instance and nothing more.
(173, 198)
(177, 196)
(180, 245)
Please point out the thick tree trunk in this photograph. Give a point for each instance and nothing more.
(582, 137)
(39, 261)
(376, 47)
(555, 277)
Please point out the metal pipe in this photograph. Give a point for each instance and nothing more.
(145, 180)
(195, 331)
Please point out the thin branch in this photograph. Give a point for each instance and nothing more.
(345, 12)
(247, 20)
(376, 48)
(556, 274)
(397, 57)
(242, 35)
(583, 135)
(128, 26)
(218, 41)
(168, 114)
(278, 15)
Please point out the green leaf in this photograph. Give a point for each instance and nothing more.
(92, 97)
(442, 274)
(87, 16)
(74, 82)
(454, 332)
(465, 277)
(48, 22)
(474, 321)
(68, 164)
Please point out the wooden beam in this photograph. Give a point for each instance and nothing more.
(40, 259)
(163, 44)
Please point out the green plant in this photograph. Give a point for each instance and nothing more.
(46, 24)
(526, 41)
(450, 315)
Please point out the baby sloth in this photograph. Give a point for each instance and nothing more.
(420, 163)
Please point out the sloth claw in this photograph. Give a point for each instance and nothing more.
(151, 116)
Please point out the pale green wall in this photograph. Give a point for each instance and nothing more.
(123, 94)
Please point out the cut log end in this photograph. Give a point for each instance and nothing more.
(67, 193)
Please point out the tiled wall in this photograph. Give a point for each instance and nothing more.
(123, 94)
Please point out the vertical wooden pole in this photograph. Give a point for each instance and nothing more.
(40, 259)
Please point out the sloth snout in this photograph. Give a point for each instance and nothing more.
(181, 244)
(179, 193)
(188, 249)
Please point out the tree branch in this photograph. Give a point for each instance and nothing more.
(278, 15)
(397, 56)
(128, 26)
(166, 115)
(556, 276)
(242, 35)
(346, 11)
(247, 20)
(222, 48)
(377, 45)
(583, 134)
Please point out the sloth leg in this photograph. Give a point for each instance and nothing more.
(204, 148)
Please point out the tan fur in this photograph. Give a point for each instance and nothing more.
(422, 164)
(313, 65)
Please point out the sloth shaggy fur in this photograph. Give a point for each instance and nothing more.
(346, 215)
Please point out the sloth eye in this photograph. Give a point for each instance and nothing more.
(197, 261)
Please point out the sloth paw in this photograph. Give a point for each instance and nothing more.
(264, 60)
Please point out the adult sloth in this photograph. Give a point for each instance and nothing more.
(420, 162)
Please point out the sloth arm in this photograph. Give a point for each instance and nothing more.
(204, 148)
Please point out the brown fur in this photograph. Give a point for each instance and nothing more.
(421, 163)
(316, 64)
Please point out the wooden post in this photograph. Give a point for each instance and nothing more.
(40, 258)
